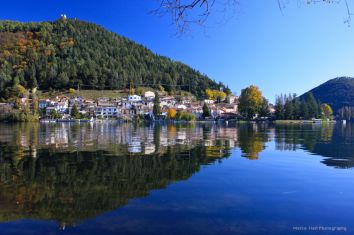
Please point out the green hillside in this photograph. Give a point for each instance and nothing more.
(337, 92)
(71, 53)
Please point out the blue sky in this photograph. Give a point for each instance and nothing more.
(285, 51)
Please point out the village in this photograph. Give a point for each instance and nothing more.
(127, 108)
(132, 106)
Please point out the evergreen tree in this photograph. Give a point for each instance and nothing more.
(304, 110)
(206, 111)
(279, 107)
(157, 108)
(312, 105)
(264, 110)
(75, 112)
(288, 108)
(66, 54)
(297, 108)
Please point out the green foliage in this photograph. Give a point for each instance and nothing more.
(264, 110)
(73, 53)
(55, 115)
(75, 112)
(290, 107)
(157, 108)
(185, 116)
(18, 91)
(337, 93)
(206, 111)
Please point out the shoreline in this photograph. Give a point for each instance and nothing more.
(178, 122)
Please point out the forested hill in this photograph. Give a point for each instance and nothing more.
(69, 52)
(337, 92)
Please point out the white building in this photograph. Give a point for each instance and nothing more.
(42, 104)
(134, 98)
(209, 101)
(149, 95)
(106, 112)
(61, 107)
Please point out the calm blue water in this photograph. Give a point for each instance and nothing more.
(197, 179)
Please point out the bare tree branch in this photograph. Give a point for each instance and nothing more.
(185, 13)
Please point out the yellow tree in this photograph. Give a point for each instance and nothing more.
(250, 102)
(210, 94)
(327, 111)
(215, 94)
(171, 113)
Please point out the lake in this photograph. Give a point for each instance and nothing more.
(110, 178)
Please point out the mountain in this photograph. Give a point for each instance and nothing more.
(337, 92)
(70, 53)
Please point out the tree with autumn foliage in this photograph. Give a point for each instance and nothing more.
(251, 101)
(327, 111)
(171, 113)
(215, 95)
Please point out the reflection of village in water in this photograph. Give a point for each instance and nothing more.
(122, 139)
(116, 138)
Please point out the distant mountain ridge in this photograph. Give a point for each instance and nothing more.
(69, 52)
(337, 92)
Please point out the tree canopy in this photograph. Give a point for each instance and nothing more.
(250, 102)
(69, 53)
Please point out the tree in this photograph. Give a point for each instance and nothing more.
(264, 110)
(250, 102)
(297, 109)
(19, 91)
(171, 113)
(157, 108)
(312, 105)
(77, 53)
(304, 110)
(75, 112)
(215, 95)
(55, 115)
(185, 116)
(327, 111)
(62, 80)
(206, 111)
(279, 107)
(288, 108)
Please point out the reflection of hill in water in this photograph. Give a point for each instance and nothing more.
(71, 186)
(334, 142)
(339, 151)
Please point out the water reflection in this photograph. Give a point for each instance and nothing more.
(70, 172)
(333, 142)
